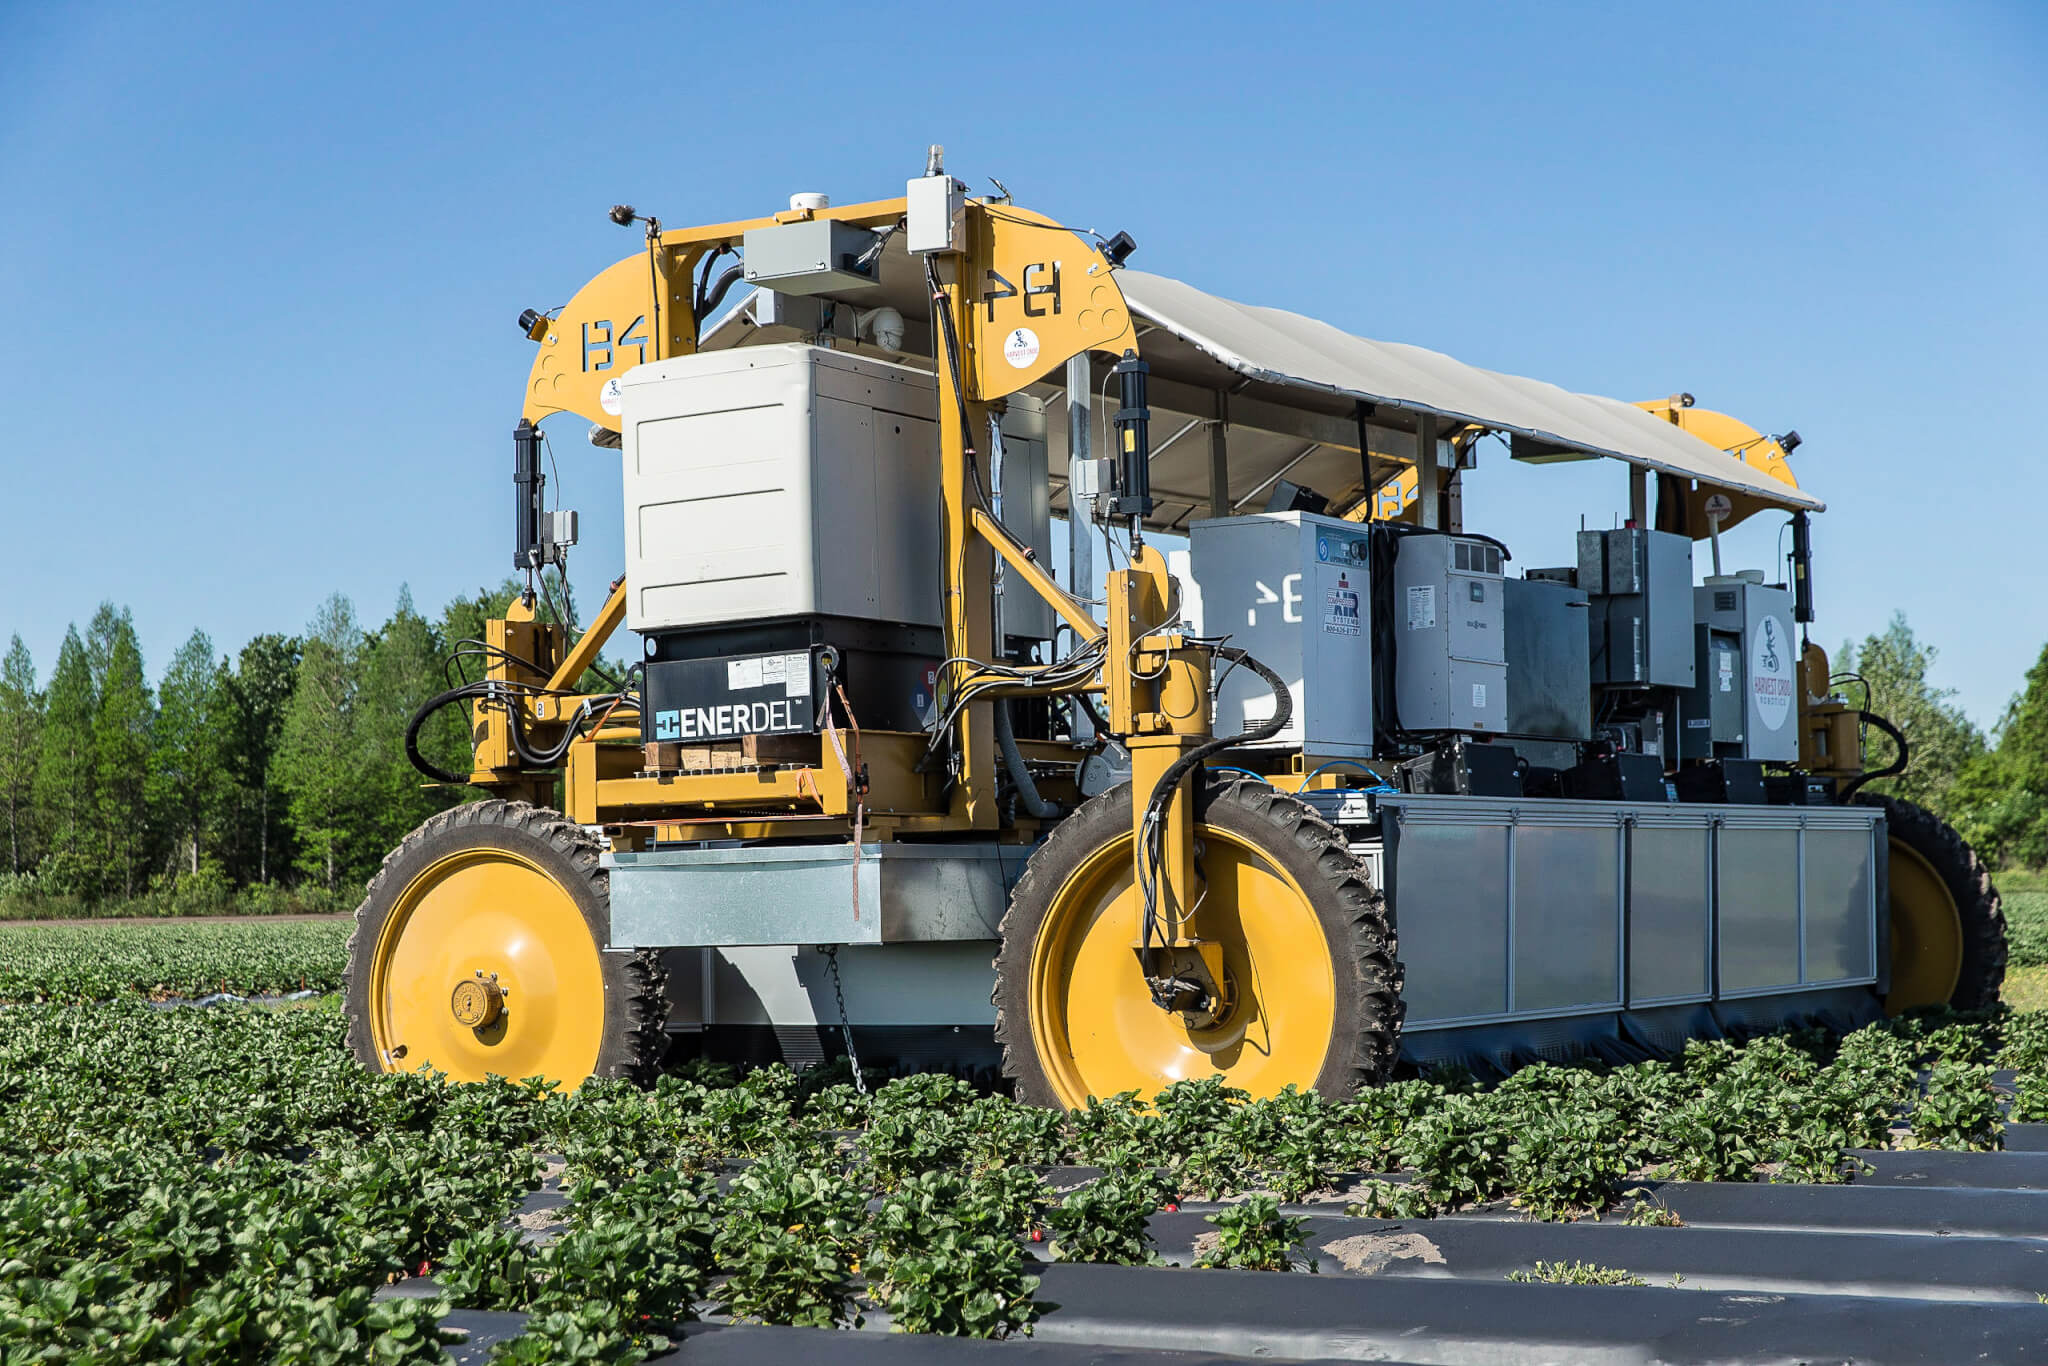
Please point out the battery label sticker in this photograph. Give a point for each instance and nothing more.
(1422, 607)
(796, 679)
(742, 674)
(1770, 674)
(1479, 697)
(1340, 608)
(1725, 670)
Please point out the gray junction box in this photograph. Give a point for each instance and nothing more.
(1640, 583)
(1550, 686)
(1449, 633)
(1745, 705)
(1291, 588)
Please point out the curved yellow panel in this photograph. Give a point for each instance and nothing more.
(606, 330)
(1737, 438)
(1044, 297)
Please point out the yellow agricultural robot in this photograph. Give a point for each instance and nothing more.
(1268, 769)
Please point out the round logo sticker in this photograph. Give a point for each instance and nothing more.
(1770, 673)
(608, 396)
(1020, 348)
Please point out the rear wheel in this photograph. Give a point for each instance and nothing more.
(478, 952)
(1306, 942)
(1947, 924)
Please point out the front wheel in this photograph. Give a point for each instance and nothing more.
(479, 951)
(1307, 944)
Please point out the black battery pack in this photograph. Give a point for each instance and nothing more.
(1466, 769)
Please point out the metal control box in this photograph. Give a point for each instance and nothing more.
(1640, 584)
(815, 256)
(1745, 705)
(1291, 588)
(1550, 683)
(1449, 635)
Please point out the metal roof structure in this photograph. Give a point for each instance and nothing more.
(1243, 396)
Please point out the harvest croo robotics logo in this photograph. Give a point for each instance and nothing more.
(1770, 674)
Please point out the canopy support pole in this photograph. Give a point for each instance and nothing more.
(1638, 496)
(1219, 461)
(1081, 577)
(1427, 491)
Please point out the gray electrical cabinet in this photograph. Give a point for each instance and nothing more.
(1291, 588)
(1550, 677)
(1450, 647)
(1640, 586)
(1745, 705)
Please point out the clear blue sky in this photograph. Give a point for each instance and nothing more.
(261, 263)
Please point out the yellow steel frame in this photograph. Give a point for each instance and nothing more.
(1157, 685)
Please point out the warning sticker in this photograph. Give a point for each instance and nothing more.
(1340, 608)
(1479, 697)
(1770, 674)
(796, 680)
(1422, 607)
(1020, 348)
(1725, 670)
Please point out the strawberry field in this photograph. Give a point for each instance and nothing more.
(225, 1185)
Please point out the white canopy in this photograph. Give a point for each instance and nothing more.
(1270, 346)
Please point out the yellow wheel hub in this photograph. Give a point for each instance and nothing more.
(1926, 933)
(485, 967)
(1099, 1032)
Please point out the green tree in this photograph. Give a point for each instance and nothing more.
(403, 670)
(188, 778)
(258, 694)
(121, 733)
(21, 731)
(319, 755)
(2002, 796)
(66, 774)
(1941, 741)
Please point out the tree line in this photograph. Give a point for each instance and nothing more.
(277, 775)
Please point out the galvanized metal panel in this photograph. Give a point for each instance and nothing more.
(1757, 921)
(1567, 916)
(805, 895)
(1450, 883)
(1670, 912)
(1840, 887)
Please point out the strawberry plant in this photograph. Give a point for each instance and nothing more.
(1574, 1273)
(1106, 1220)
(1959, 1110)
(1255, 1236)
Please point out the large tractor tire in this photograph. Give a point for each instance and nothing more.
(1947, 926)
(1306, 939)
(479, 951)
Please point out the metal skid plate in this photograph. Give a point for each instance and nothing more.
(1519, 910)
(806, 894)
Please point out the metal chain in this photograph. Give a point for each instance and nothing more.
(831, 952)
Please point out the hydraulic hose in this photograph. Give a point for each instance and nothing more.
(1169, 781)
(1035, 806)
(715, 295)
(419, 719)
(1890, 770)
